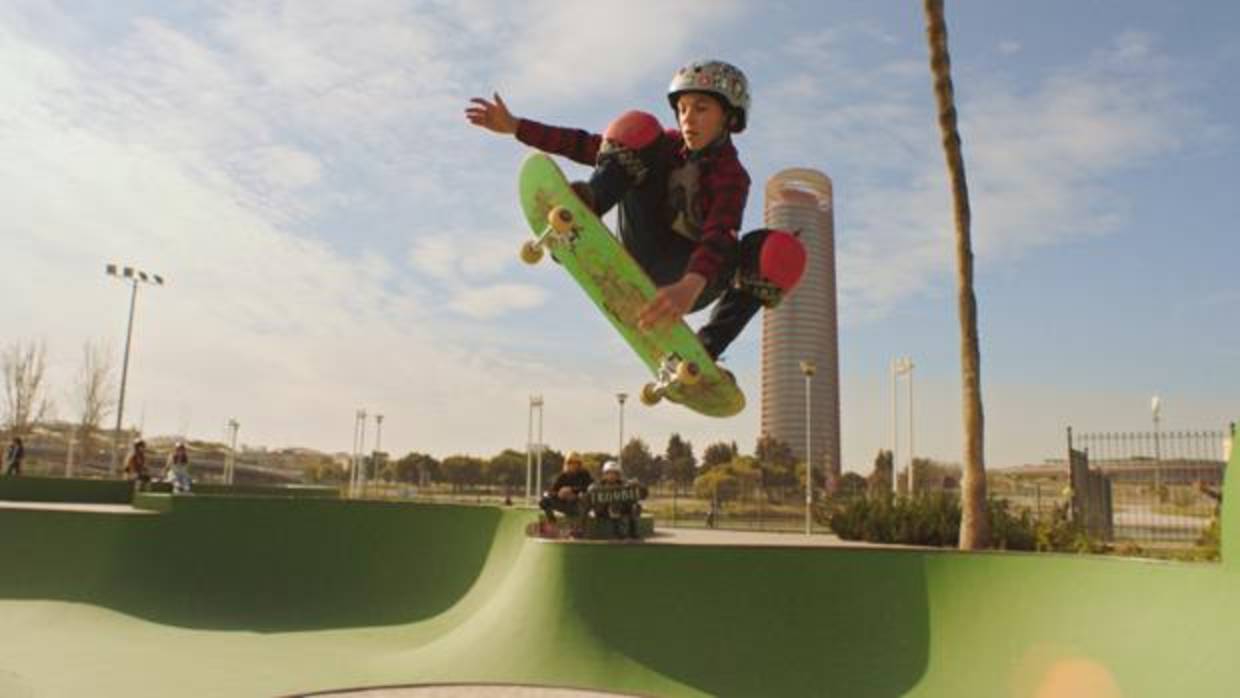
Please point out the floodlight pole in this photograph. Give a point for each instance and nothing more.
(133, 276)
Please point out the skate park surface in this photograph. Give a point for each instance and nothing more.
(262, 594)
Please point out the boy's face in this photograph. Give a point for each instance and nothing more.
(611, 476)
(701, 117)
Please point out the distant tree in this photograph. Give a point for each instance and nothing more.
(798, 477)
(678, 464)
(415, 467)
(323, 470)
(930, 475)
(718, 453)
(25, 393)
(852, 485)
(778, 464)
(506, 468)
(639, 463)
(94, 386)
(880, 478)
(728, 481)
(93, 394)
(462, 471)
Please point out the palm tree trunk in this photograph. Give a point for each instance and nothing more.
(974, 526)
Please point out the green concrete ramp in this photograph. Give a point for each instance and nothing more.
(268, 596)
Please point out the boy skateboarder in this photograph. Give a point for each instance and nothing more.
(682, 196)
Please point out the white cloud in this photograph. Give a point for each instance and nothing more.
(574, 51)
(1037, 160)
(492, 301)
(1009, 47)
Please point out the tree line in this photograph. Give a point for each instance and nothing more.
(722, 472)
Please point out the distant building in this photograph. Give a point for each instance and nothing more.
(804, 326)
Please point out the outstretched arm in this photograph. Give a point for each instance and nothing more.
(493, 116)
(575, 144)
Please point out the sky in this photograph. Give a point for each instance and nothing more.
(335, 235)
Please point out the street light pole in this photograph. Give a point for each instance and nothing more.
(361, 453)
(533, 453)
(374, 458)
(912, 453)
(538, 453)
(900, 367)
(895, 421)
(231, 463)
(133, 276)
(808, 368)
(1156, 408)
(621, 397)
(353, 459)
(529, 450)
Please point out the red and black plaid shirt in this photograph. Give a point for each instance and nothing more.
(723, 185)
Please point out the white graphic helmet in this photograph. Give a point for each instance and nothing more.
(718, 78)
(612, 466)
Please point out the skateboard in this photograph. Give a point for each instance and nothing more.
(564, 226)
(598, 521)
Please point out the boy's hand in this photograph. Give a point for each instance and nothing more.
(671, 302)
(493, 116)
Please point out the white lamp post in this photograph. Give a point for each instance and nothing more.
(1156, 410)
(620, 398)
(231, 464)
(808, 368)
(902, 366)
(536, 402)
(374, 458)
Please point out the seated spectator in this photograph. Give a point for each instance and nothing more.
(617, 500)
(177, 469)
(135, 465)
(13, 457)
(565, 494)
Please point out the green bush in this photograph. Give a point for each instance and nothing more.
(934, 520)
(922, 520)
(1209, 541)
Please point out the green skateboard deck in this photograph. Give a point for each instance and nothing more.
(583, 245)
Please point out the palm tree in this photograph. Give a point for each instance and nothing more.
(974, 526)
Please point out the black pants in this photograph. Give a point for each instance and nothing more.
(551, 503)
(664, 255)
(624, 518)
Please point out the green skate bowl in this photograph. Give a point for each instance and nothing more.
(262, 594)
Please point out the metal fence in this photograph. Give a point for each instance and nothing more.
(749, 509)
(1165, 487)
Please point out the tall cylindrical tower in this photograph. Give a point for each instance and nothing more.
(804, 326)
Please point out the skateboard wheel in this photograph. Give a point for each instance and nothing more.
(560, 219)
(651, 395)
(687, 373)
(531, 252)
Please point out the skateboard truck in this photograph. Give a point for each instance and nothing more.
(674, 371)
(559, 226)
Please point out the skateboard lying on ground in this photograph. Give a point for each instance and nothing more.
(683, 371)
